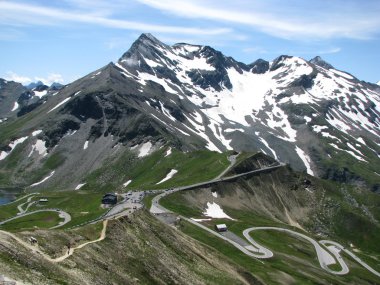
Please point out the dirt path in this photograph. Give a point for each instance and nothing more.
(72, 250)
(63, 257)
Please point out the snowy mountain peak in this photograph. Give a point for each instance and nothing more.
(259, 66)
(146, 40)
(187, 48)
(378, 83)
(295, 110)
(320, 62)
(145, 47)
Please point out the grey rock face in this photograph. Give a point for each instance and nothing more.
(304, 113)
(320, 62)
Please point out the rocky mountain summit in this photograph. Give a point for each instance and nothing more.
(305, 113)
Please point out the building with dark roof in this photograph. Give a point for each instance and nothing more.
(109, 199)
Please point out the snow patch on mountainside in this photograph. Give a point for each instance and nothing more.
(12, 146)
(40, 94)
(232, 104)
(36, 133)
(349, 152)
(15, 107)
(355, 149)
(145, 149)
(168, 152)
(268, 147)
(168, 176)
(361, 140)
(183, 63)
(327, 86)
(124, 71)
(59, 104)
(43, 180)
(278, 120)
(213, 210)
(318, 129)
(327, 135)
(218, 134)
(40, 147)
(306, 160)
(127, 183)
(149, 77)
(340, 73)
(152, 63)
(225, 101)
(80, 186)
(233, 130)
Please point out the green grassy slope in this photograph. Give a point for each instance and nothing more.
(192, 167)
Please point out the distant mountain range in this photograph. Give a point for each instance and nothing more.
(17, 100)
(305, 113)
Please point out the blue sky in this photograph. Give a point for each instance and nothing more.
(62, 40)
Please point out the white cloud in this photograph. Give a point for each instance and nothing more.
(24, 80)
(331, 50)
(25, 14)
(11, 76)
(335, 19)
(50, 79)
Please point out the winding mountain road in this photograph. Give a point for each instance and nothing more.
(21, 198)
(29, 202)
(158, 209)
(62, 214)
(328, 252)
(338, 247)
(325, 257)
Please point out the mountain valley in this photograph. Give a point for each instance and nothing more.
(290, 143)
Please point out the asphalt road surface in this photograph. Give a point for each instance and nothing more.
(131, 202)
(62, 214)
(328, 252)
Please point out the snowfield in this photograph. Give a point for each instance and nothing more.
(244, 101)
(80, 186)
(36, 133)
(12, 145)
(306, 160)
(213, 210)
(145, 149)
(43, 180)
(15, 107)
(168, 176)
(40, 94)
(168, 152)
(39, 147)
(59, 104)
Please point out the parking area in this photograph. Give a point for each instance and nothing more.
(131, 202)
